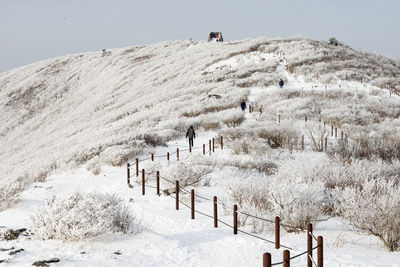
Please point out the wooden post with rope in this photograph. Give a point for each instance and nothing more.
(286, 258)
(320, 251)
(192, 202)
(309, 245)
(128, 173)
(158, 182)
(267, 260)
(143, 183)
(177, 195)
(235, 225)
(277, 233)
(215, 212)
(137, 167)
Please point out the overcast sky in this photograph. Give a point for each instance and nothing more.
(31, 30)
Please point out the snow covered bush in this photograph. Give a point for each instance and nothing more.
(297, 204)
(8, 191)
(373, 207)
(189, 172)
(367, 148)
(80, 216)
(253, 199)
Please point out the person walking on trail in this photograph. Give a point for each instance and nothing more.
(191, 134)
(281, 83)
(243, 105)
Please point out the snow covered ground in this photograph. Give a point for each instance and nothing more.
(168, 237)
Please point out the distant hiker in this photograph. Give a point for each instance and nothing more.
(281, 83)
(191, 134)
(243, 105)
(105, 53)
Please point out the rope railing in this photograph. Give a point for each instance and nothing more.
(256, 217)
(301, 254)
(313, 236)
(277, 221)
(170, 154)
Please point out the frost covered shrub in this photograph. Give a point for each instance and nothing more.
(154, 140)
(366, 148)
(372, 208)
(294, 193)
(297, 204)
(262, 165)
(297, 193)
(80, 216)
(277, 135)
(8, 191)
(188, 172)
(253, 200)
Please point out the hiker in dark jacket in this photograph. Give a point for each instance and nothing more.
(281, 83)
(243, 105)
(191, 134)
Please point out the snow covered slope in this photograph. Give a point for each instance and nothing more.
(89, 108)
(63, 115)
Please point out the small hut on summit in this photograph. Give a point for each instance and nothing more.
(215, 36)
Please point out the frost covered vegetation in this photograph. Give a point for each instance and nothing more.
(307, 189)
(81, 216)
(87, 109)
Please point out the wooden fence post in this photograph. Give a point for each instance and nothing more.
(222, 142)
(192, 199)
(279, 118)
(341, 135)
(335, 132)
(152, 156)
(235, 231)
(204, 149)
(168, 156)
(143, 183)
(309, 245)
(215, 212)
(267, 260)
(320, 251)
(326, 143)
(286, 258)
(277, 234)
(128, 173)
(302, 143)
(177, 153)
(177, 195)
(137, 167)
(332, 130)
(305, 120)
(209, 146)
(213, 145)
(158, 182)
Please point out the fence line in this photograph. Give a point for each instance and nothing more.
(235, 211)
(287, 257)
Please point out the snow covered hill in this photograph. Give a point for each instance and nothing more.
(92, 111)
(89, 108)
